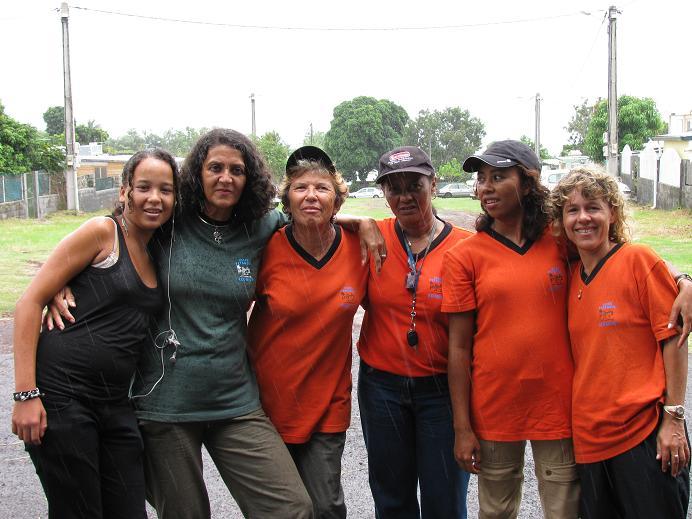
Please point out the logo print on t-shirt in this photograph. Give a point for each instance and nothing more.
(556, 278)
(244, 270)
(606, 314)
(435, 288)
(348, 297)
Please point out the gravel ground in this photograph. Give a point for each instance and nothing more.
(21, 496)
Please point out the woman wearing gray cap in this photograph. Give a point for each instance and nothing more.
(510, 368)
(402, 391)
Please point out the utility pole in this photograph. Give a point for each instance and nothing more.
(70, 171)
(613, 167)
(311, 135)
(252, 103)
(537, 140)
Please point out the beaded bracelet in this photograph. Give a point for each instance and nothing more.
(21, 396)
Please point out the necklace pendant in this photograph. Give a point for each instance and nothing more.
(218, 236)
(579, 294)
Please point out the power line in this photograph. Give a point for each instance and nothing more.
(330, 29)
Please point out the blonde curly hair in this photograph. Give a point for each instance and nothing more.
(593, 183)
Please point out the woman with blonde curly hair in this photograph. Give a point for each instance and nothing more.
(629, 382)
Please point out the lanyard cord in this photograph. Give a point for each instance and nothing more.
(412, 335)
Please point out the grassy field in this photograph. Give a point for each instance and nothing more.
(25, 244)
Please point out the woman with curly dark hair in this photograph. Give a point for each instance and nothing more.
(510, 369)
(197, 388)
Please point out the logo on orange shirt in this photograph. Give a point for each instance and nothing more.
(606, 315)
(348, 297)
(435, 288)
(556, 278)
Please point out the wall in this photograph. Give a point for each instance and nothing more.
(92, 200)
(13, 210)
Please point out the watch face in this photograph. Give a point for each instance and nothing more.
(680, 411)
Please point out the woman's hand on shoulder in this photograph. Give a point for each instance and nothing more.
(371, 239)
(372, 243)
(29, 421)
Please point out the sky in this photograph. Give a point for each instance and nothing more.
(302, 58)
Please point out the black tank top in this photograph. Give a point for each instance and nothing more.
(95, 358)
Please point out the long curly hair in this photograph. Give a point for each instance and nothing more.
(536, 206)
(593, 183)
(255, 200)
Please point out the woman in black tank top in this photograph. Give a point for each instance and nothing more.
(71, 407)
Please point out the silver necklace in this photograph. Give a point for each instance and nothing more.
(217, 230)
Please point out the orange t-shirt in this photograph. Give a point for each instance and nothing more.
(299, 337)
(382, 344)
(521, 366)
(617, 317)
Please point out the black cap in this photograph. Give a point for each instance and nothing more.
(404, 159)
(504, 154)
(310, 153)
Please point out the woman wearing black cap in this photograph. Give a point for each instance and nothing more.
(308, 289)
(402, 390)
(510, 368)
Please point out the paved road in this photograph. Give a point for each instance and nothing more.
(21, 496)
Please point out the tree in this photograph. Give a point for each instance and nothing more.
(275, 153)
(638, 122)
(316, 139)
(446, 135)
(545, 154)
(23, 149)
(453, 172)
(578, 125)
(55, 120)
(362, 129)
(90, 132)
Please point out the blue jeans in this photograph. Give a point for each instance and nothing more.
(409, 436)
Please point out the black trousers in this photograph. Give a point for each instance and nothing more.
(90, 460)
(632, 485)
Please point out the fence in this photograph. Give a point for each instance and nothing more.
(35, 194)
(662, 180)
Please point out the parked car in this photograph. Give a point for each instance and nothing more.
(455, 190)
(367, 192)
(551, 177)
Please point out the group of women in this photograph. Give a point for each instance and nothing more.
(465, 346)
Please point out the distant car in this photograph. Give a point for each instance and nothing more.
(455, 190)
(368, 192)
(552, 177)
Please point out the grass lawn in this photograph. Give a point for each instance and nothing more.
(25, 244)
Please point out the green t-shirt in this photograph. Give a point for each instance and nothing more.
(211, 287)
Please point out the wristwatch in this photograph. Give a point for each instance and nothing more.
(682, 276)
(676, 411)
